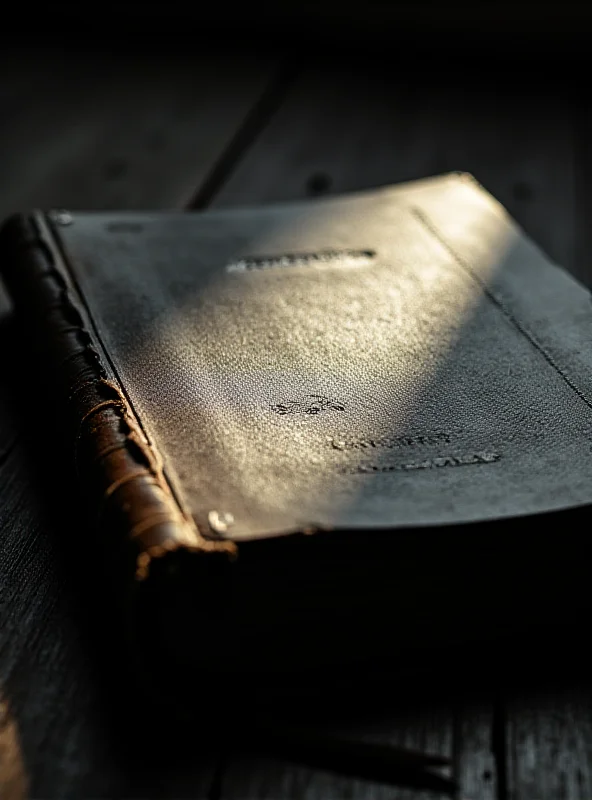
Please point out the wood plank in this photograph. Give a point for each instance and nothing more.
(456, 730)
(430, 731)
(97, 130)
(84, 131)
(64, 720)
(476, 759)
(549, 743)
(343, 130)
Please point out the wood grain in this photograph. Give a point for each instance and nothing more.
(102, 130)
(64, 724)
(549, 744)
(477, 764)
(430, 732)
(456, 729)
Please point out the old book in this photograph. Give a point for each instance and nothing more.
(319, 432)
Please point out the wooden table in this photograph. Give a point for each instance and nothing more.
(81, 130)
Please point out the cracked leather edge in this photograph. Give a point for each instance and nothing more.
(116, 465)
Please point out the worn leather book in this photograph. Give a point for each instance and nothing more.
(320, 432)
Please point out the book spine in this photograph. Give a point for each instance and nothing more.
(119, 470)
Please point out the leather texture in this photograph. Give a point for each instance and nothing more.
(393, 358)
(120, 472)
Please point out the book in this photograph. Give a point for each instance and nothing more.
(318, 432)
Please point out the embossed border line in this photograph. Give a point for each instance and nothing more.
(501, 306)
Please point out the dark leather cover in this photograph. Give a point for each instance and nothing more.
(339, 370)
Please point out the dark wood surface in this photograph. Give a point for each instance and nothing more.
(83, 130)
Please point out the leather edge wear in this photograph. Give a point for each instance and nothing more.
(121, 471)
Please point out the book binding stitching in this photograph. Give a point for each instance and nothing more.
(113, 458)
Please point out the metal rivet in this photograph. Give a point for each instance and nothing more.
(220, 521)
(62, 217)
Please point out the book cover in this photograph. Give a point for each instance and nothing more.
(288, 418)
